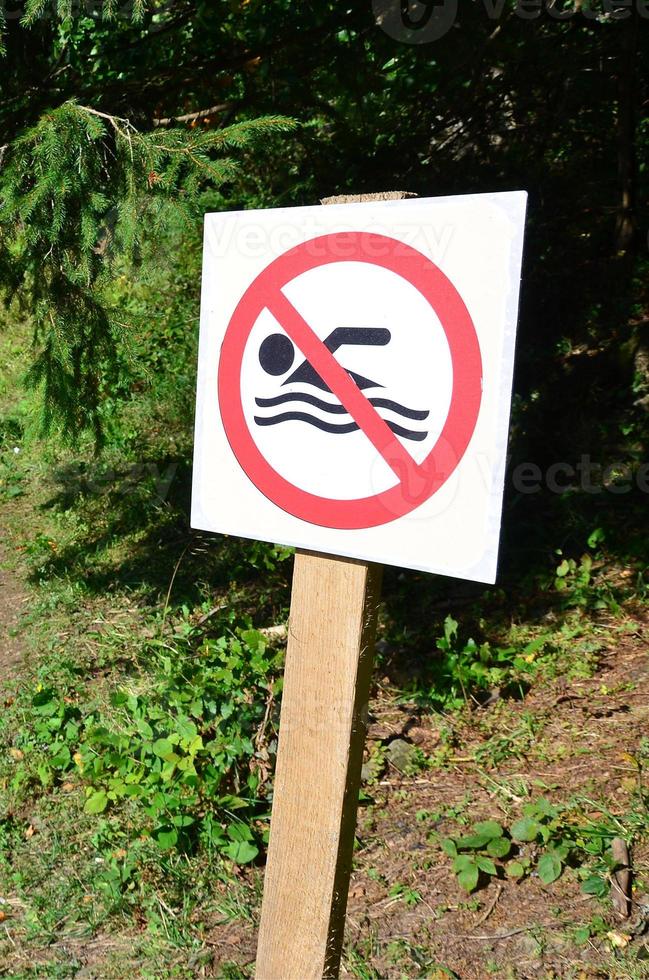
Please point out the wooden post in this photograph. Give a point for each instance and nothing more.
(322, 733)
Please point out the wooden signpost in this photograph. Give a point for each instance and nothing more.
(329, 660)
(320, 455)
(322, 733)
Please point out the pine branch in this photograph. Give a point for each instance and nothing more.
(34, 9)
(75, 192)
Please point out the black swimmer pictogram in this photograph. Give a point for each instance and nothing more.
(277, 356)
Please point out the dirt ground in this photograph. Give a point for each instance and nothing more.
(589, 736)
(519, 927)
(12, 605)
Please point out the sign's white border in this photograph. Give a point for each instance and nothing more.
(477, 241)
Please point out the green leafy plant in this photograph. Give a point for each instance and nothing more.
(556, 839)
(597, 927)
(544, 840)
(406, 893)
(473, 853)
(189, 756)
(461, 671)
(192, 745)
(578, 584)
(574, 578)
(375, 764)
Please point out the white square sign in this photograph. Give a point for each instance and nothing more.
(354, 378)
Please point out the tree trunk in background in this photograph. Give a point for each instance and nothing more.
(625, 226)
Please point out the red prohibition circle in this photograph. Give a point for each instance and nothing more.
(417, 482)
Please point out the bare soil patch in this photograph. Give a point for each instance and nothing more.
(12, 604)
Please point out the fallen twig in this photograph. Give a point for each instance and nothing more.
(483, 918)
(496, 936)
(621, 879)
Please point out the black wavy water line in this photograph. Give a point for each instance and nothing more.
(409, 413)
(335, 429)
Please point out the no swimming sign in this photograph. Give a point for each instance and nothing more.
(354, 378)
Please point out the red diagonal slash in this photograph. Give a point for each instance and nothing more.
(339, 382)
